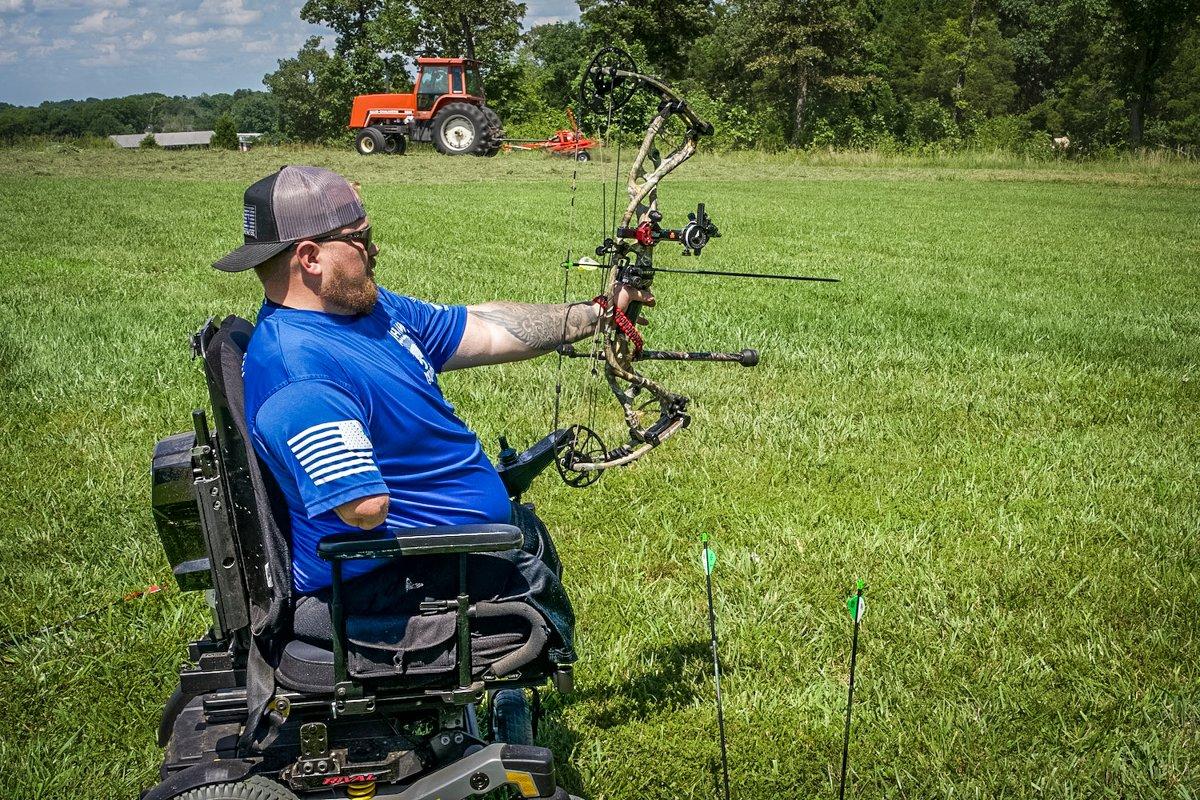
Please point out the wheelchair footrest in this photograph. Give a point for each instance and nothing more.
(529, 769)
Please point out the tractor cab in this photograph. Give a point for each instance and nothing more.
(438, 77)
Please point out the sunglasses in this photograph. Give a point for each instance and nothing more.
(361, 236)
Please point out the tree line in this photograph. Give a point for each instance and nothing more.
(249, 110)
(770, 74)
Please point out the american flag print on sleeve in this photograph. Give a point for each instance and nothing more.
(333, 450)
(313, 433)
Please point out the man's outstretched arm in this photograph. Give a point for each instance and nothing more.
(501, 331)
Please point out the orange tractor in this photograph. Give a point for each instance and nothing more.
(447, 108)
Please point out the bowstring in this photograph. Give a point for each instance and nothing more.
(591, 387)
(571, 230)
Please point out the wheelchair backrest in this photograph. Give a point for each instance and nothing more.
(257, 506)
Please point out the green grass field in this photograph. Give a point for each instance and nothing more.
(992, 420)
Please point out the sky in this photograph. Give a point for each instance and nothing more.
(75, 49)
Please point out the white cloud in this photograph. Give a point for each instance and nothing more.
(540, 12)
(59, 5)
(193, 38)
(137, 41)
(229, 12)
(54, 46)
(102, 21)
(268, 45)
(530, 22)
(186, 39)
(276, 44)
(19, 36)
(104, 54)
(114, 50)
(69, 48)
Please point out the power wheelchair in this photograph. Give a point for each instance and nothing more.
(389, 708)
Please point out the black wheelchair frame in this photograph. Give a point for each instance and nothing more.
(232, 727)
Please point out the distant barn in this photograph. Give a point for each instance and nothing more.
(180, 139)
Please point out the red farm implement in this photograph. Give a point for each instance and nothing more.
(570, 143)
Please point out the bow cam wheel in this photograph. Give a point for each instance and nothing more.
(602, 88)
(583, 446)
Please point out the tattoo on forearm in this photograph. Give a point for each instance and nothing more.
(541, 327)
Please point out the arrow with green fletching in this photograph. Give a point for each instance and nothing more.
(708, 560)
(856, 604)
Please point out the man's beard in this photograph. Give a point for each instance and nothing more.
(353, 295)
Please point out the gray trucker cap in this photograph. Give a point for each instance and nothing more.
(293, 204)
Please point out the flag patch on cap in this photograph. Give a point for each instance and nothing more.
(250, 222)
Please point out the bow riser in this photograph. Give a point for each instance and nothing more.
(643, 203)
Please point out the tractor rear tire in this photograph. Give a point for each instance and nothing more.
(495, 128)
(370, 140)
(459, 129)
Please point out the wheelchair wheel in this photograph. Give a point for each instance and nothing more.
(512, 721)
(253, 788)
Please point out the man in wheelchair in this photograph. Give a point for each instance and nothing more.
(373, 576)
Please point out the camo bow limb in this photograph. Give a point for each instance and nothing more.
(609, 82)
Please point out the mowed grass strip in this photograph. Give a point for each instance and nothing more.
(992, 421)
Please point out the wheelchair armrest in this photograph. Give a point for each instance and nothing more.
(439, 540)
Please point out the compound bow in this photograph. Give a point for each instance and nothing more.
(609, 82)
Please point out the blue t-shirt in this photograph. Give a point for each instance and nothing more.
(343, 407)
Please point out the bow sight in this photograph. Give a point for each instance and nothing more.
(693, 236)
(697, 232)
(627, 256)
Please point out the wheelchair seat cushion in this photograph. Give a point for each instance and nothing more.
(396, 591)
(426, 645)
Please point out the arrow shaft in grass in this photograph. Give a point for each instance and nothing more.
(850, 699)
(712, 631)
